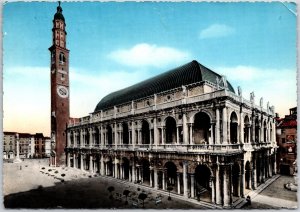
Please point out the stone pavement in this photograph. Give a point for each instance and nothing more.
(272, 195)
(35, 187)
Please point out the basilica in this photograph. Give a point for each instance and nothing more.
(186, 131)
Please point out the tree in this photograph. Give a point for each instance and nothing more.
(111, 189)
(142, 196)
(126, 193)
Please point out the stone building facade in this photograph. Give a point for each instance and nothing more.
(287, 142)
(186, 129)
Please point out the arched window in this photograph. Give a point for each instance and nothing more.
(233, 128)
(246, 129)
(62, 58)
(170, 131)
(201, 128)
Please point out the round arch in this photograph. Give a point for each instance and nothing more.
(236, 179)
(126, 167)
(125, 133)
(109, 135)
(233, 128)
(145, 132)
(171, 173)
(171, 136)
(248, 175)
(202, 123)
(202, 178)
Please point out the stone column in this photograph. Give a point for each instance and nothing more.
(254, 178)
(155, 179)
(213, 191)
(74, 139)
(116, 136)
(81, 137)
(163, 180)
(150, 134)
(192, 186)
(68, 138)
(218, 186)
(178, 182)
(151, 180)
(74, 161)
(177, 134)
(141, 174)
(91, 132)
(91, 163)
(241, 128)
(226, 188)
(81, 162)
(69, 159)
(185, 129)
(224, 122)
(191, 133)
(242, 177)
(155, 131)
(217, 131)
(116, 168)
(133, 134)
(163, 135)
(133, 172)
(185, 185)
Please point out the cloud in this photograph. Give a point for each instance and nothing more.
(149, 55)
(278, 86)
(216, 31)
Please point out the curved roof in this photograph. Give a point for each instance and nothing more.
(184, 75)
(58, 14)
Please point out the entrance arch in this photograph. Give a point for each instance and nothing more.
(171, 177)
(248, 175)
(202, 179)
(236, 179)
(126, 168)
(201, 128)
(170, 130)
(145, 165)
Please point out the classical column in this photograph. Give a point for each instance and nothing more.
(155, 133)
(211, 138)
(185, 129)
(163, 135)
(224, 122)
(217, 131)
(139, 136)
(116, 136)
(191, 133)
(116, 168)
(218, 186)
(68, 138)
(242, 177)
(133, 173)
(81, 137)
(185, 186)
(133, 134)
(74, 161)
(81, 162)
(141, 174)
(69, 159)
(155, 179)
(151, 181)
(192, 186)
(163, 180)
(226, 186)
(178, 182)
(213, 191)
(177, 134)
(91, 163)
(74, 138)
(91, 132)
(254, 178)
(241, 128)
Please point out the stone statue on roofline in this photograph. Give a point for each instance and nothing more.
(268, 107)
(252, 97)
(224, 81)
(184, 93)
(239, 91)
(261, 102)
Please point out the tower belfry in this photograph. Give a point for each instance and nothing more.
(60, 110)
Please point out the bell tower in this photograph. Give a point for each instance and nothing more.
(59, 72)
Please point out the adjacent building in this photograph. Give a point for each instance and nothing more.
(287, 142)
(30, 145)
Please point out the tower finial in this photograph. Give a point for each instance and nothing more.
(59, 3)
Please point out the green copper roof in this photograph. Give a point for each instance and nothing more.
(184, 75)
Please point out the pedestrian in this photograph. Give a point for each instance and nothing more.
(248, 199)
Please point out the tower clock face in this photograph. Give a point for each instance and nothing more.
(62, 91)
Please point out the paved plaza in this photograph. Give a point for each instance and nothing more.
(34, 187)
(33, 184)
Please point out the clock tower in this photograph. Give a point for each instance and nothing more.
(60, 111)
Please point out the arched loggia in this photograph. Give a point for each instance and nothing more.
(170, 130)
(233, 128)
(201, 128)
(145, 132)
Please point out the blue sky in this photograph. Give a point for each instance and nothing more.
(114, 45)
